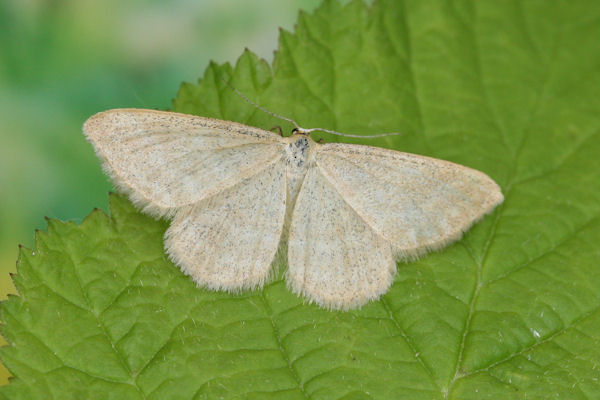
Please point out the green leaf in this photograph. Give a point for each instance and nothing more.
(511, 311)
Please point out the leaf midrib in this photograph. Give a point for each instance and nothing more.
(509, 186)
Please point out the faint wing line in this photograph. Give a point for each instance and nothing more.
(229, 241)
(365, 218)
(164, 161)
(431, 179)
(416, 203)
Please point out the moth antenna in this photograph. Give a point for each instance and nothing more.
(349, 134)
(262, 108)
(300, 129)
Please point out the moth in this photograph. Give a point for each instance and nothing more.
(236, 194)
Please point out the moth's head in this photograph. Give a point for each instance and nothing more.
(301, 131)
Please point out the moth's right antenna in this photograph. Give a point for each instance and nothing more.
(262, 108)
(299, 129)
(377, 135)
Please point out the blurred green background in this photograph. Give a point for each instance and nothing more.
(64, 60)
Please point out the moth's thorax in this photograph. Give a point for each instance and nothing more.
(299, 154)
(297, 150)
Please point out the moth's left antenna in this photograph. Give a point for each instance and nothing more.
(262, 108)
(299, 129)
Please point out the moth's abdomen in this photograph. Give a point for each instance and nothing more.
(298, 151)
